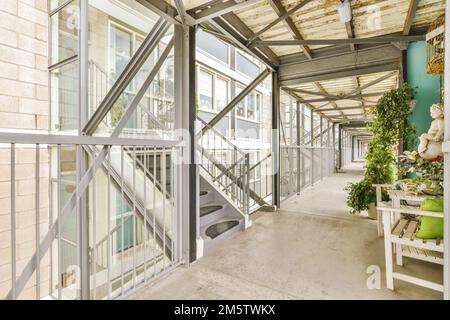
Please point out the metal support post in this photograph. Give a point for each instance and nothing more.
(276, 139)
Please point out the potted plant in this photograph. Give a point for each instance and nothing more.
(389, 128)
(362, 197)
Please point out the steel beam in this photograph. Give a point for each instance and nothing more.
(236, 100)
(278, 20)
(318, 42)
(276, 182)
(161, 8)
(88, 175)
(130, 71)
(378, 59)
(279, 9)
(447, 159)
(246, 32)
(342, 74)
(239, 41)
(185, 106)
(218, 9)
(344, 108)
(412, 8)
(357, 97)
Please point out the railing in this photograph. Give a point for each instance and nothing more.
(303, 166)
(53, 211)
(259, 175)
(223, 162)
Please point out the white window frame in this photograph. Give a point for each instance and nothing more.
(227, 64)
(250, 59)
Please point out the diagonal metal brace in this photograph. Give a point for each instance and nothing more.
(85, 180)
(236, 100)
(130, 71)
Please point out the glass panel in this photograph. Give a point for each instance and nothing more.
(121, 47)
(251, 106)
(115, 35)
(64, 33)
(221, 93)
(205, 89)
(246, 66)
(213, 46)
(258, 107)
(64, 98)
(240, 107)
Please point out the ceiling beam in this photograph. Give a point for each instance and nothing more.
(162, 8)
(341, 74)
(374, 82)
(412, 9)
(350, 34)
(322, 89)
(299, 98)
(247, 33)
(345, 108)
(372, 60)
(205, 13)
(374, 40)
(312, 93)
(279, 19)
(340, 98)
(279, 9)
(239, 41)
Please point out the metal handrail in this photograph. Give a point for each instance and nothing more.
(241, 152)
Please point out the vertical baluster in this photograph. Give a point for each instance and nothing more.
(172, 205)
(145, 214)
(94, 232)
(37, 220)
(122, 226)
(134, 217)
(164, 183)
(13, 221)
(108, 241)
(154, 212)
(58, 172)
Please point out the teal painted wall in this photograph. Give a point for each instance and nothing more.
(428, 91)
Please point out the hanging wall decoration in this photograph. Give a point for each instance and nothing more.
(435, 47)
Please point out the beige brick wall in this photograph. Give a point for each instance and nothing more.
(25, 212)
(23, 106)
(23, 65)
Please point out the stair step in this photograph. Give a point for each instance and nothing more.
(206, 210)
(219, 228)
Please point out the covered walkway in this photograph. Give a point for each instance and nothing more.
(311, 249)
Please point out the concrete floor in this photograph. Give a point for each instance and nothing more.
(311, 249)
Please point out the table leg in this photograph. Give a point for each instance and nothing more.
(388, 250)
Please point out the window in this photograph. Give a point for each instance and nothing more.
(258, 107)
(246, 67)
(205, 88)
(213, 46)
(121, 50)
(250, 106)
(240, 108)
(221, 93)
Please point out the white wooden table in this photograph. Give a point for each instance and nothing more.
(400, 239)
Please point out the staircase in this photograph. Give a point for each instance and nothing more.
(226, 194)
